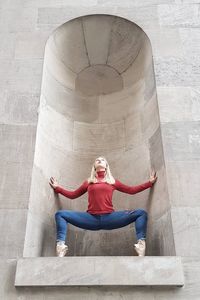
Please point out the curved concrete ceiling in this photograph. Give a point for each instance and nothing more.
(97, 54)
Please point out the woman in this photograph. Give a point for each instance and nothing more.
(100, 213)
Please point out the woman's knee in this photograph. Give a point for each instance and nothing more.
(59, 213)
(143, 212)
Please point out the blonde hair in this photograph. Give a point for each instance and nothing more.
(108, 176)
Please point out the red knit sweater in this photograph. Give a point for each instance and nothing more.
(100, 193)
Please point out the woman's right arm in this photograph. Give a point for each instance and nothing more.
(69, 194)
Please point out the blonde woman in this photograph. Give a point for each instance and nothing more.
(100, 213)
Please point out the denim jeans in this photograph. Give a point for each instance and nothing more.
(106, 221)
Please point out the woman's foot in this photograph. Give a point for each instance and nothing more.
(61, 249)
(140, 247)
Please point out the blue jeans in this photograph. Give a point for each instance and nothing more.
(106, 221)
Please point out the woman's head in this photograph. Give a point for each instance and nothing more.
(101, 163)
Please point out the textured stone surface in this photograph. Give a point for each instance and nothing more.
(13, 226)
(186, 229)
(166, 42)
(177, 71)
(7, 277)
(154, 271)
(181, 141)
(178, 15)
(156, 150)
(183, 180)
(160, 240)
(16, 152)
(100, 137)
(97, 80)
(18, 107)
(25, 75)
(30, 45)
(179, 104)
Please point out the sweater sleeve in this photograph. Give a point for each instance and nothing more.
(73, 194)
(132, 189)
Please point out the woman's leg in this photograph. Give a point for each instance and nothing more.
(123, 218)
(77, 218)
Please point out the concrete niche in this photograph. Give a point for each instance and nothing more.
(98, 97)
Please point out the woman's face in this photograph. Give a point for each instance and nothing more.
(100, 162)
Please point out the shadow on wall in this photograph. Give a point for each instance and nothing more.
(98, 97)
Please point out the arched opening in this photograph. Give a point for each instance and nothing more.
(98, 97)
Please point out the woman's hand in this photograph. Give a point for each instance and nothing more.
(53, 182)
(153, 177)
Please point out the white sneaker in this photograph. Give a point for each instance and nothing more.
(140, 247)
(61, 250)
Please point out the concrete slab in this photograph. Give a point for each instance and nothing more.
(100, 270)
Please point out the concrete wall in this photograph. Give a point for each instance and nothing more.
(173, 29)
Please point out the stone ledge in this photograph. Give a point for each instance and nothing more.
(100, 271)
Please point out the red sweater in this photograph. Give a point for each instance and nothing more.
(100, 194)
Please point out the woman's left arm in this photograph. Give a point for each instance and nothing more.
(137, 188)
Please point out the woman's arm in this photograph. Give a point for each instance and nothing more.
(137, 188)
(132, 189)
(71, 194)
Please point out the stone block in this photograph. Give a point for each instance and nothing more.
(18, 19)
(160, 239)
(150, 118)
(49, 18)
(7, 278)
(131, 3)
(18, 108)
(98, 137)
(40, 235)
(55, 69)
(97, 32)
(57, 129)
(4, 73)
(177, 71)
(178, 15)
(178, 104)
(181, 140)
(17, 143)
(16, 152)
(15, 184)
(166, 42)
(13, 224)
(101, 270)
(144, 16)
(71, 105)
(195, 103)
(98, 80)
(150, 84)
(186, 229)
(74, 55)
(122, 104)
(183, 180)
(133, 131)
(7, 48)
(158, 201)
(191, 288)
(156, 150)
(125, 43)
(190, 41)
(25, 75)
(30, 44)
(48, 157)
(138, 70)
